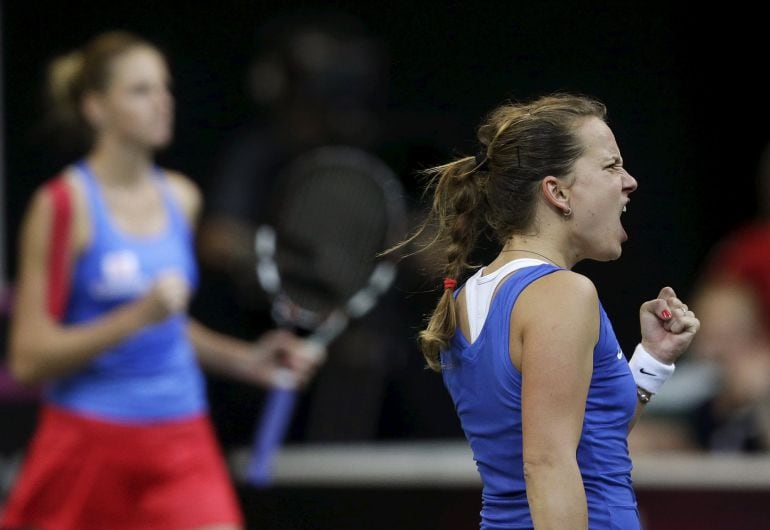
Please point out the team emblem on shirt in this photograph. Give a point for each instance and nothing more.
(120, 276)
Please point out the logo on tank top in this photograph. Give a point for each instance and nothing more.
(620, 354)
(121, 276)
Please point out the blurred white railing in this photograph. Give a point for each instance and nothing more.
(450, 465)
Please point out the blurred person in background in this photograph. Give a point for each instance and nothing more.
(318, 78)
(733, 299)
(719, 399)
(124, 439)
(735, 417)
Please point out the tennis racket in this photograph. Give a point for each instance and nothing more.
(336, 208)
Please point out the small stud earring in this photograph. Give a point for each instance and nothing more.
(567, 212)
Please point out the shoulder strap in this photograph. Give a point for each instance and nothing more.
(171, 202)
(59, 256)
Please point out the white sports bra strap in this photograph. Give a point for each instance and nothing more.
(480, 288)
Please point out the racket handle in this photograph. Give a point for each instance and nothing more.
(271, 432)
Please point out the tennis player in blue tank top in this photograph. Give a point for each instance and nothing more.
(124, 440)
(541, 386)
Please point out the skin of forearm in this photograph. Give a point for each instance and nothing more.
(637, 414)
(219, 353)
(556, 495)
(39, 354)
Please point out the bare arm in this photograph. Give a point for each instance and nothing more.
(255, 362)
(40, 347)
(637, 413)
(558, 320)
(217, 352)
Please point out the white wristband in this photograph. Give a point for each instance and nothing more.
(649, 373)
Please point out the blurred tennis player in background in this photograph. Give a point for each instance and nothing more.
(106, 271)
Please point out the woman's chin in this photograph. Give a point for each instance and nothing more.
(159, 142)
(607, 254)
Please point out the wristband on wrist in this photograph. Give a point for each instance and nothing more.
(649, 373)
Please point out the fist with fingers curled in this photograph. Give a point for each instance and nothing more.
(281, 359)
(668, 326)
(169, 295)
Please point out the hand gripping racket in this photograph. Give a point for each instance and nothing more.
(336, 208)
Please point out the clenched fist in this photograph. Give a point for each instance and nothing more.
(169, 295)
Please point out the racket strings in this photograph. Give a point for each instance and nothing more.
(337, 208)
(332, 225)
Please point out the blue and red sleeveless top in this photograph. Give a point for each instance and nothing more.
(152, 375)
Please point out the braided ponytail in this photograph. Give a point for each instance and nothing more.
(458, 204)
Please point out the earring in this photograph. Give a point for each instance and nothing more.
(568, 212)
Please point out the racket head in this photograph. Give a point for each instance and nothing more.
(335, 209)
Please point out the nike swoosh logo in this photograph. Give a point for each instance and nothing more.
(645, 372)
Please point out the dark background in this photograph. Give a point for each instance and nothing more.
(682, 85)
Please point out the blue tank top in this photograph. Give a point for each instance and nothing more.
(485, 387)
(153, 374)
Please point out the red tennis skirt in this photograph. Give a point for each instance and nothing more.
(87, 474)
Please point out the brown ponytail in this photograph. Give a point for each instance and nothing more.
(64, 74)
(458, 209)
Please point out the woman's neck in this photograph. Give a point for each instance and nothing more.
(120, 164)
(541, 248)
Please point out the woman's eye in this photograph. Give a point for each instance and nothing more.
(140, 90)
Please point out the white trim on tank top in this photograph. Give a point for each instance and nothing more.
(480, 288)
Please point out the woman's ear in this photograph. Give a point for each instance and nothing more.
(92, 107)
(556, 194)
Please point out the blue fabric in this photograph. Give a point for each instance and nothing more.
(153, 374)
(486, 389)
